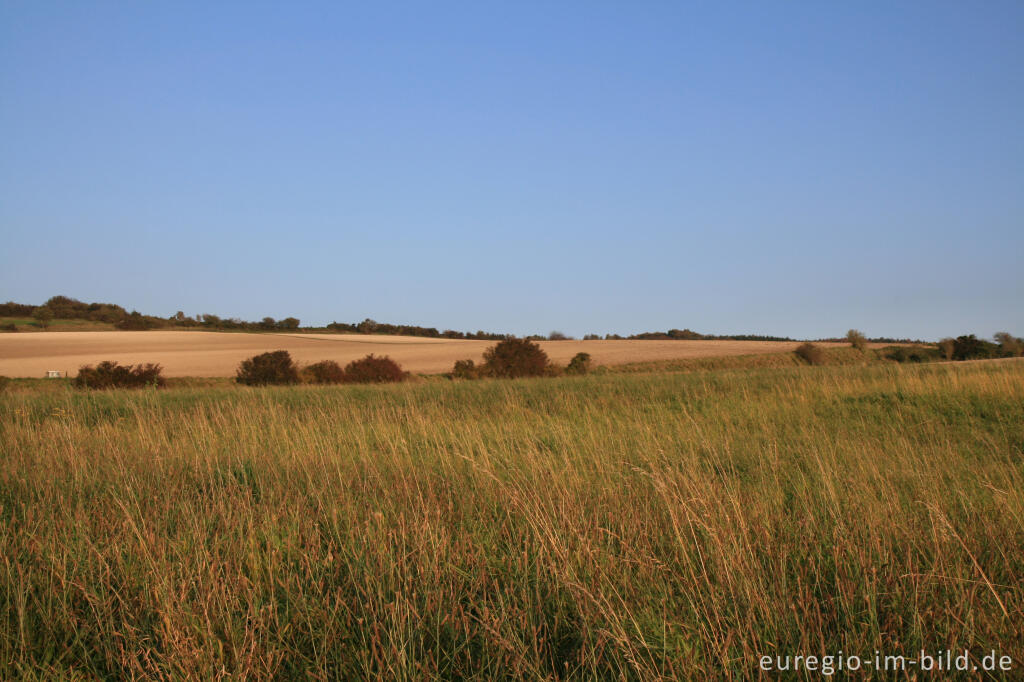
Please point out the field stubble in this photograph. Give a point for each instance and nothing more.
(216, 354)
(637, 526)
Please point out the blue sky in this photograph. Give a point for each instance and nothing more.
(779, 168)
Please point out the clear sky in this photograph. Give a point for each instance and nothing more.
(791, 168)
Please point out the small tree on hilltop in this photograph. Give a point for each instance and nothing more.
(513, 358)
(275, 367)
(857, 340)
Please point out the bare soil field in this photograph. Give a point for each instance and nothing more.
(214, 354)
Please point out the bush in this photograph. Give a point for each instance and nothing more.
(514, 358)
(4, 381)
(138, 322)
(9, 327)
(810, 353)
(109, 374)
(580, 364)
(324, 372)
(553, 370)
(913, 354)
(373, 370)
(970, 347)
(857, 340)
(465, 369)
(275, 367)
(558, 336)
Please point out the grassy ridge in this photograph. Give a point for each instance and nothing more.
(635, 526)
(28, 324)
(830, 356)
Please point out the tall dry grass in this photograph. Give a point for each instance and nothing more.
(621, 526)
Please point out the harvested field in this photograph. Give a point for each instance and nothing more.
(214, 354)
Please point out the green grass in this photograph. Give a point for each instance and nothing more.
(618, 526)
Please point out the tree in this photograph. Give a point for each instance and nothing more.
(513, 358)
(857, 340)
(290, 323)
(367, 326)
(684, 334)
(1009, 344)
(947, 345)
(43, 316)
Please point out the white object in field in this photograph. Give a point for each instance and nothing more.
(53, 374)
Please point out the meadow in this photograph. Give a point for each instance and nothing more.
(624, 525)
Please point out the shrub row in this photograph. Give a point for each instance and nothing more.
(514, 358)
(277, 367)
(510, 358)
(109, 374)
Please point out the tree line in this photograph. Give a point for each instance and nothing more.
(964, 347)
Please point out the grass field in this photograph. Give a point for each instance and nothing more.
(621, 526)
(212, 354)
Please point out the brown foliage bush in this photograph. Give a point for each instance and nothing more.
(275, 367)
(373, 370)
(109, 374)
(514, 358)
(324, 372)
(810, 353)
